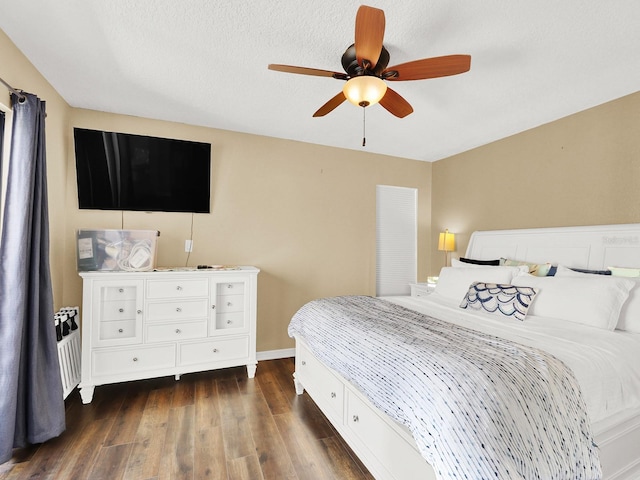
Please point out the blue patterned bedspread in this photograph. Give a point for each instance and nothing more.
(478, 406)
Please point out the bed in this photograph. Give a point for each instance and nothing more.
(590, 407)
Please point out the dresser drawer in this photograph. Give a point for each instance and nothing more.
(225, 321)
(230, 303)
(119, 293)
(118, 310)
(214, 351)
(171, 332)
(137, 359)
(117, 330)
(178, 288)
(175, 310)
(231, 288)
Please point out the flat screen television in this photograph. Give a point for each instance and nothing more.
(121, 171)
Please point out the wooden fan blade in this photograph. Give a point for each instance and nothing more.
(330, 105)
(429, 68)
(395, 104)
(305, 71)
(369, 35)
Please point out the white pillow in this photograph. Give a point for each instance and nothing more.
(624, 272)
(454, 281)
(537, 269)
(562, 271)
(629, 319)
(587, 299)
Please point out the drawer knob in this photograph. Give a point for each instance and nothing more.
(333, 394)
(139, 311)
(355, 418)
(121, 310)
(215, 350)
(177, 330)
(213, 307)
(229, 304)
(121, 290)
(178, 309)
(229, 286)
(120, 330)
(229, 322)
(303, 362)
(135, 359)
(178, 287)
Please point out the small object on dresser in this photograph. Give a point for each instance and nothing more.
(116, 250)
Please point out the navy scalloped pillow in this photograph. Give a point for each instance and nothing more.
(507, 300)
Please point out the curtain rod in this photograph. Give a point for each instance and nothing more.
(13, 90)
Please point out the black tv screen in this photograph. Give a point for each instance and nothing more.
(121, 171)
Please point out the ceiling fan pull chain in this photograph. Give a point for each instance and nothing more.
(364, 140)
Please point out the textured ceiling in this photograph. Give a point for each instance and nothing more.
(204, 62)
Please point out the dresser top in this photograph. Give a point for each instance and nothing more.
(218, 269)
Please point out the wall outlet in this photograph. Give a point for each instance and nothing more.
(188, 246)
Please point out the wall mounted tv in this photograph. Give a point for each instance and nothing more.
(121, 171)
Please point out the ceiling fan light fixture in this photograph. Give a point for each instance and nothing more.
(364, 90)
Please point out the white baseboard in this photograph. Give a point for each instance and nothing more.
(276, 354)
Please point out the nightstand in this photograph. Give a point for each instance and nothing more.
(421, 289)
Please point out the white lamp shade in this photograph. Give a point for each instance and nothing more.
(364, 90)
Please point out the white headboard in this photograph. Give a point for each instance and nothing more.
(593, 247)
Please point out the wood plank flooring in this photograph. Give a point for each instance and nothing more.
(211, 425)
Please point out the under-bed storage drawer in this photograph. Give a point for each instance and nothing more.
(381, 438)
(327, 390)
(385, 447)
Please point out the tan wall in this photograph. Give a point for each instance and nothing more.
(16, 70)
(580, 170)
(304, 214)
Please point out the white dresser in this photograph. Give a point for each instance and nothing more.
(150, 324)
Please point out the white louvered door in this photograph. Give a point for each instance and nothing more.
(396, 239)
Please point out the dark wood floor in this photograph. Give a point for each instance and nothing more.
(211, 425)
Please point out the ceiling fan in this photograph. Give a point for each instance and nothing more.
(365, 63)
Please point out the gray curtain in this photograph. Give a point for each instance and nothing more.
(1, 142)
(31, 403)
